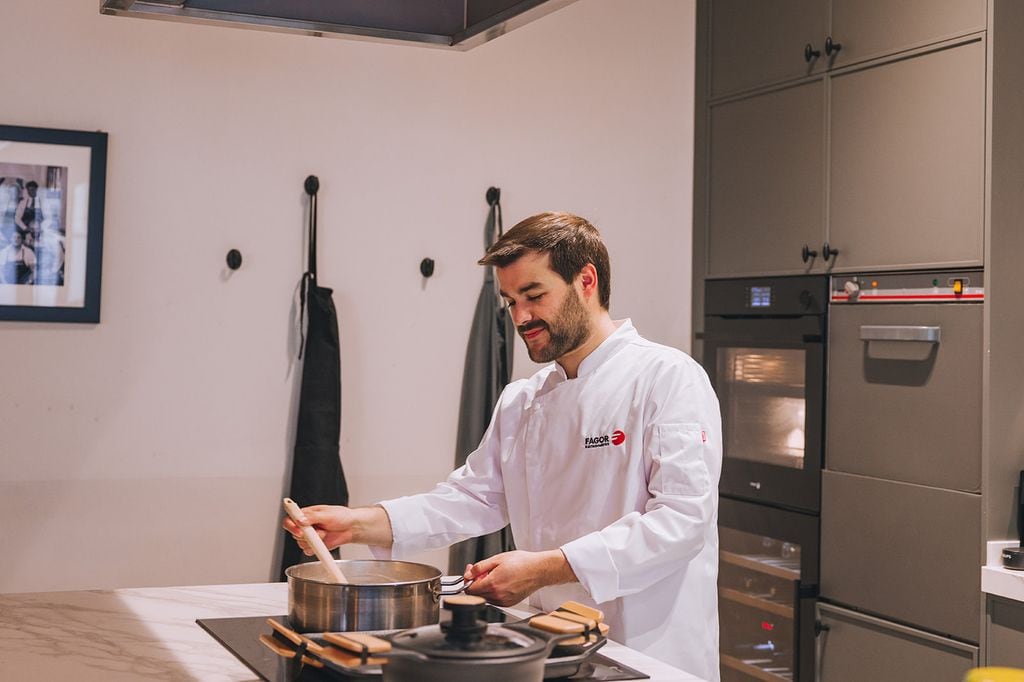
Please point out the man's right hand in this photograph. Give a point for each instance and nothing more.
(342, 525)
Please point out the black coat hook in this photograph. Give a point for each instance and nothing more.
(312, 185)
(234, 259)
(427, 267)
(493, 195)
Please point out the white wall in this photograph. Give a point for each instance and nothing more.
(151, 449)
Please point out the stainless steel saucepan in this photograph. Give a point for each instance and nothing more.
(380, 595)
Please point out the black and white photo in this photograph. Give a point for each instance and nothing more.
(52, 188)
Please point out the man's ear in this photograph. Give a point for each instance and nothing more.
(588, 280)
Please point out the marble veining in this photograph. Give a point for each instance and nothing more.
(132, 634)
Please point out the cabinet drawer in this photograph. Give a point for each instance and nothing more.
(903, 551)
(907, 168)
(915, 420)
(856, 647)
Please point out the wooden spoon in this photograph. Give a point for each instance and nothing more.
(314, 540)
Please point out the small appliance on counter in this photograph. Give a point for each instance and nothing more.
(1013, 557)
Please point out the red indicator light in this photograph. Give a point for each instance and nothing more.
(768, 627)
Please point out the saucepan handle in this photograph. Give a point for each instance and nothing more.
(452, 582)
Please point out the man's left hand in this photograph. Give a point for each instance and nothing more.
(508, 578)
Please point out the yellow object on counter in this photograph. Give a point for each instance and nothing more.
(994, 675)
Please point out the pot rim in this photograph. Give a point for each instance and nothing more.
(292, 573)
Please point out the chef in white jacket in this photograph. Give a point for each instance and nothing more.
(605, 463)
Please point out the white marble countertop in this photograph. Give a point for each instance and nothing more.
(151, 634)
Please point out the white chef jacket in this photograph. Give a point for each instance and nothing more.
(619, 468)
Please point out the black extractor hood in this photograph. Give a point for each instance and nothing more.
(458, 24)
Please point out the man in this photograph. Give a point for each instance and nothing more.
(29, 213)
(17, 261)
(605, 463)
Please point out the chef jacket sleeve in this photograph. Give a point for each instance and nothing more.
(470, 503)
(683, 459)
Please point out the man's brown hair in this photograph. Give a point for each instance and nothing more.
(570, 240)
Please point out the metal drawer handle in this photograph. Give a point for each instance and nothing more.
(900, 333)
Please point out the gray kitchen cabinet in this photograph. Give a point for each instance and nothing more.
(906, 552)
(907, 161)
(898, 140)
(866, 29)
(755, 43)
(924, 409)
(766, 189)
(853, 647)
(1005, 633)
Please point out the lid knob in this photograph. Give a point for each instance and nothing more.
(464, 628)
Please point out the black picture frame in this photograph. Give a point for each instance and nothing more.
(52, 193)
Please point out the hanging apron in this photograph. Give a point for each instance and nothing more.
(487, 371)
(317, 476)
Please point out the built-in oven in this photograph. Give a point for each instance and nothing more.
(767, 584)
(764, 350)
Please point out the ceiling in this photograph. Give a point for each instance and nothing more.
(457, 24)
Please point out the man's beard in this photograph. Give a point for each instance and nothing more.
(565, 334)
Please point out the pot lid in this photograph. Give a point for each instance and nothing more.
(466, 637)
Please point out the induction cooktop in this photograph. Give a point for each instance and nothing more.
(240, 636)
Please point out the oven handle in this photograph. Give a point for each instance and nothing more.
(900, 333)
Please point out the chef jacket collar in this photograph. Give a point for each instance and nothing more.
(624, 334)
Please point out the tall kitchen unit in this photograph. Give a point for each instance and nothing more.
(877, 143)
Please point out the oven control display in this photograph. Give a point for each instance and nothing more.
(759, 297)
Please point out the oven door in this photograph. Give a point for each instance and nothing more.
(769, 374)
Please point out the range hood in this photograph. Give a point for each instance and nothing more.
(458, 24)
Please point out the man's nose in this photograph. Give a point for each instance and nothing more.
(520, 314)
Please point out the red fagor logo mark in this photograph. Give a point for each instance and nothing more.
(618, 437)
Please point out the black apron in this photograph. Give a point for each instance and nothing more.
(29, 216)
(317, 476)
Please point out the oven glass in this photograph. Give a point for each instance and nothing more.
(763, 397)
(758, 584)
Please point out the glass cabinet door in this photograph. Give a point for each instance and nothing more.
(758, 597)
(763, 397)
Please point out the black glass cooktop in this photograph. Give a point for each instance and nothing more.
(240, 636)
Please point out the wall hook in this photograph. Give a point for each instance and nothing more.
(234, 259)
(493, 195)
(427, 267)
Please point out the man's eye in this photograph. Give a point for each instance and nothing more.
(536, 297)
(509, 304)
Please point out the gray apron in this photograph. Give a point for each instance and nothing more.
(487, 371)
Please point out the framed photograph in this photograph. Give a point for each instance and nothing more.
(52, 185)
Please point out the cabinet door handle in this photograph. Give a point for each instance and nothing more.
(806, 254)
(831, 46)
(810, 53)
(828, 252)
(900, 332)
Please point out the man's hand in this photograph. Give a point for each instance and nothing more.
(342, 525)
(508, 578)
